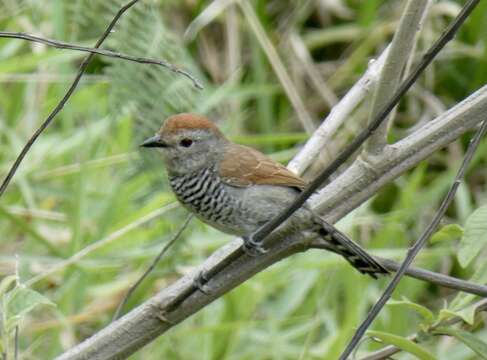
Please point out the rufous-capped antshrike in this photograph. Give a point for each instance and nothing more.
(235, 188)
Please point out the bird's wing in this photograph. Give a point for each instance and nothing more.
(243, 166)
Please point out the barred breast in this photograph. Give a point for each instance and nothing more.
(204, 194)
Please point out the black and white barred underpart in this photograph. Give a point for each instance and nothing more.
(204, 193)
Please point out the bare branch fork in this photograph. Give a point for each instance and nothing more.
(355, 185)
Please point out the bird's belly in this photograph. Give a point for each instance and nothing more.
(208, 198)
(225, 216)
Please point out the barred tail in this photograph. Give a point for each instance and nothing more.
(352, 252)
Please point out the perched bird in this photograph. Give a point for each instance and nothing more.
(235, 188)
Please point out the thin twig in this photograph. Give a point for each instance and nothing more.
(63, 101)
(437, 278)
(420, 274)
(418, 245)
(154, 263)
(63, 45)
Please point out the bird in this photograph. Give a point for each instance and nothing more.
(237, 189)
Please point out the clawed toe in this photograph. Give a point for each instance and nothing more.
(200, 281)
(252, 247)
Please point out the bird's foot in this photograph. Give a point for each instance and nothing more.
(200, 281)
(252, 247)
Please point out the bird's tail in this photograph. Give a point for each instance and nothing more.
(352, 252)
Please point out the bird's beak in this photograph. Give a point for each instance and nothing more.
(154, 141)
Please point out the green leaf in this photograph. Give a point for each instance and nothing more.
(21, 301)
(473, 342)
(420, 309)
(447, 233)
(474, 237)
(403, 344)
(467, 314)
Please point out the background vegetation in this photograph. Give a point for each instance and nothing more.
(85, 180)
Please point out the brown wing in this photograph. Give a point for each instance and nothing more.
(243, 166)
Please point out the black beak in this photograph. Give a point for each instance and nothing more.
(154, 141)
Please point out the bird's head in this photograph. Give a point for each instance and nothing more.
(188, 143)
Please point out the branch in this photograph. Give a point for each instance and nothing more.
(107, 53)
(149, 320)
(418, 245)
(401, 50)
(421, 274)
(337, 116)
(63, 101)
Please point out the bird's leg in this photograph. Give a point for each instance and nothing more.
(252, 247)
(200, 281)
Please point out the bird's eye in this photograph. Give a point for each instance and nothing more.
(186, 142)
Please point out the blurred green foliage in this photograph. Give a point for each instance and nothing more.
(85, 178)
